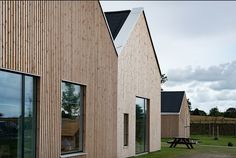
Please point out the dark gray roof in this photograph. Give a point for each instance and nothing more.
(116, 20)
(171, 101)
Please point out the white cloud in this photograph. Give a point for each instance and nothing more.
(206, 87)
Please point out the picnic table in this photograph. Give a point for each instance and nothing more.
(181, 140)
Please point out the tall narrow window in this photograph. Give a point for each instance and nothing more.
(126, 129)
(72, 118)
(17, 115)
(142, 125)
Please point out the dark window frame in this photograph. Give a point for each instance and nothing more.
(22, 106)
(126, 129)
(81, 121)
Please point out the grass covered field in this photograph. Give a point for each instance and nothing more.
(222, 141)
(207, 148)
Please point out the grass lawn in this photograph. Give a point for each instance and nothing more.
(207, 145)
(222, 141)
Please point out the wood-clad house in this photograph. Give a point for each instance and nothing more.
(175, 115)
(138, 109)
(58, 81)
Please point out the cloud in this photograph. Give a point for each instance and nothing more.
(218, 77)
(206, 87)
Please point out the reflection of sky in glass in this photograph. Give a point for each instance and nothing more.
(28, 96)
(140, 102)
(10, 94)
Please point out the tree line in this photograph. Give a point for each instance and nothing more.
(230, 112)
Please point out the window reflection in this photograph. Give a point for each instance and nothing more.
(13, 116)
(72, 121)
(142, 127)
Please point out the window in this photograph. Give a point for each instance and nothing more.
(126, 129)
(142, 125)
(17, 115)
(72, 117)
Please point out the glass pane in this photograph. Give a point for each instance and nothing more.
(29, 122)
(10, 114)
(126, 129)
(140, 125)
(71, 111)
(146, 126)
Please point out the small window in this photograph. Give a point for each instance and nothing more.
(126, 129)
(72, 106)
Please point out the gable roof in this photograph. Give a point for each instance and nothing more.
(171, 101)
(116, 20)
(126, 28)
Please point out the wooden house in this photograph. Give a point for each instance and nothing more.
(138, 108)
(58, 80)
(175, 115)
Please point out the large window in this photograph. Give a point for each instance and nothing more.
(142, 125)
(126, 129)
(17, 115)
(72, 117)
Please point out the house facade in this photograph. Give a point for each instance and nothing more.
(58, 81)
(138, 108)
(175, 115)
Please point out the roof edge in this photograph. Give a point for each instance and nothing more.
(152, 43)
(125, 31)
(170, 113)
(108, 28)
(127, 28)
(172, 91)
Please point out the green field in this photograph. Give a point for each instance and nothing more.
(207, 146)
(222, 141)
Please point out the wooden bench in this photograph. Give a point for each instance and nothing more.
(179, 140)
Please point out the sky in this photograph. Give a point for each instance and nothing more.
(195, 43)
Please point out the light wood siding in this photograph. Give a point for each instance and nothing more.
(138, 75)
(184, 119)
(169, 126)
(176, 125)
(64, 40)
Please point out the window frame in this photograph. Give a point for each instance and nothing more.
(126, 130)
(22, 107)
(81, 121)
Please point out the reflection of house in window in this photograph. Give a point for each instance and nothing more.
(72, 118)
(17, 115)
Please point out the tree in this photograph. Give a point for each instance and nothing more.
(163, 78)
(1, 114)
(189, 104)
(198, 112)
(215, 112)
(230, 112)
(70, 101)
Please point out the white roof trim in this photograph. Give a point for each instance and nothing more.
(169, 113)
(127, 28)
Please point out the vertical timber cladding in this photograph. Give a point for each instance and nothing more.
(138, 75)
(64, 41)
